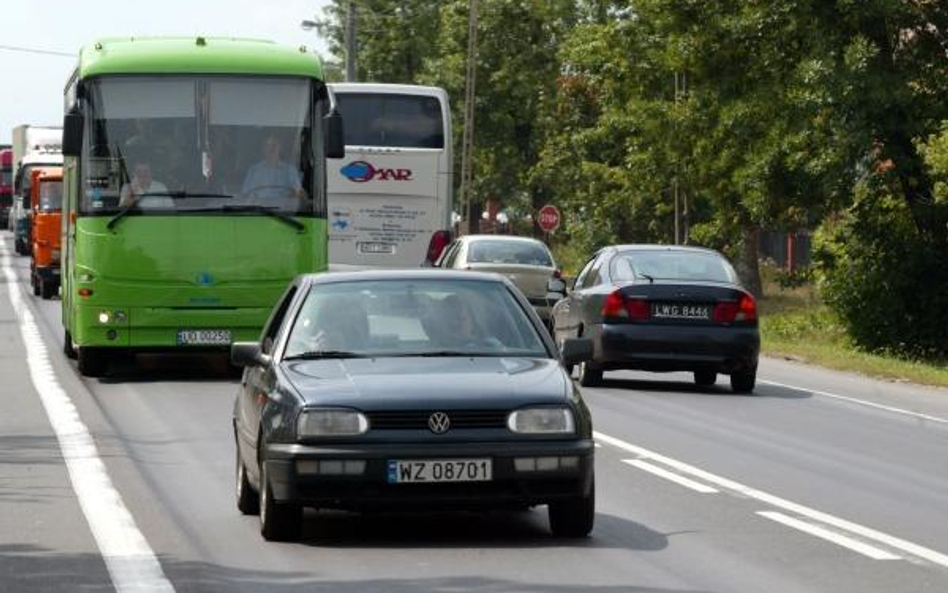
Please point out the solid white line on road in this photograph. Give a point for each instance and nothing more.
(131, 563)
(830, 536)
(861, 402)
(798, 509)
(664, 473)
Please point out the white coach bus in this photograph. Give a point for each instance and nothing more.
(390, 200)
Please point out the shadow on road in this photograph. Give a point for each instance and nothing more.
(152, 368)
(721, 389)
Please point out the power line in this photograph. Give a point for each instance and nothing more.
(30, 50)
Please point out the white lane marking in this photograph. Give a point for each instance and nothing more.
(798, 509)
(664, 473)
(861, 402)
(131, 563)
(830, 536)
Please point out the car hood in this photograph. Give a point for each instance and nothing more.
(418, 383)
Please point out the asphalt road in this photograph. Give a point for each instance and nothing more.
(792, 489)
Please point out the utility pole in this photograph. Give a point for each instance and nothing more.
(675, 183)
(350, 41)
(467, 140)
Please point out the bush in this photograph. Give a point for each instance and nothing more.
(886, 283)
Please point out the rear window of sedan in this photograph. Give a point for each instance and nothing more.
(685, 265)
(509, 252)
(413, 318)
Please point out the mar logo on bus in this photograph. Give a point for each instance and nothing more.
(362, 171)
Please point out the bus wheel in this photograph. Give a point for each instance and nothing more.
(92, 362)
(68, 348)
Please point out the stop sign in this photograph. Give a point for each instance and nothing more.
(548, 218)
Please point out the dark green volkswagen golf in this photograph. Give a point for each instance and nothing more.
(410, 390)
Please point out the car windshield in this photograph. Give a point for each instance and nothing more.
(51, 196)
(180, 144)
(672, 265)
(509, 252)
(413, 318)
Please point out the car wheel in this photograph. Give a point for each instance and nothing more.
(589, 375)
(248, 500)
(569, 369)
(705, 378)
(68, 348)
(92, 362)
(37, 287)
(279, 522)
(575, 517)
(744, 382)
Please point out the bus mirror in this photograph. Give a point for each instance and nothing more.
(72, 134)
(335, 142)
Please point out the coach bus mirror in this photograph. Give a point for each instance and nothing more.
(576, 350)
(335, 141)
(248, 354)
(72, 134)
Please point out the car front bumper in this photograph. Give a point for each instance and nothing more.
(508, 487)
(676, 347)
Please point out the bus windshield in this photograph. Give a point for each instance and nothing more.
(391, 120)
(183, 144)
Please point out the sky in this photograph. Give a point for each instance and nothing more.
(31, 85)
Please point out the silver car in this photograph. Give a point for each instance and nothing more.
(526, 262)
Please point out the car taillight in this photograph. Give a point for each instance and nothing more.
(558, 274)
(616, 306)
(745, 309)
(439, 240)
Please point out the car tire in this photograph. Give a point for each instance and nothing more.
(575, 517)
(744, 382)
(569, 369)
(705, 378)
(92, 362)
(47, 289)
(279, 522)
(68, 349)
(37, 287)
(589, 375)
(248, 499)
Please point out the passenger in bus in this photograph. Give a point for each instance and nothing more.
(143, 191)
(273, 181)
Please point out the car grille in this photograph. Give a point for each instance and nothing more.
(418, 419)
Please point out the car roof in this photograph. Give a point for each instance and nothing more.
(389, 275)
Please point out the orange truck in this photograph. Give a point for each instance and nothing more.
(47, 205)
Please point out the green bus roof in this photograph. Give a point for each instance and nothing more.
(195, 55)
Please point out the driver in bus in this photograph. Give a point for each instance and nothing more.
(273, 180)
(143, 191)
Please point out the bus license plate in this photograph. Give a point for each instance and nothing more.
(376, 248)
(439, 470)
(203, 337)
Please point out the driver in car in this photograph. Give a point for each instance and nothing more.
(274, 181)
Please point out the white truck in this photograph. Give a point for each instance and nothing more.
(33, 146)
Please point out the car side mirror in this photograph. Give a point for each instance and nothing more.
(72, 133)
(335, 140)
(248, 354)
(557, 285)
(576, 350)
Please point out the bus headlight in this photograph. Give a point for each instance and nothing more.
(104, 317)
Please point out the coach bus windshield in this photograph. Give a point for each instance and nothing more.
(176, 144)
(390, 120)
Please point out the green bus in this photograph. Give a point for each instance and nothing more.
(195, 190)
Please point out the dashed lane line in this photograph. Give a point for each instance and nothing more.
(671, 476)
(830, 536)
(132, 565)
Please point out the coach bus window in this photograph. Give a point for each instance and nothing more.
(406, 121)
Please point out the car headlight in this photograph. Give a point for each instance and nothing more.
(331, 423)
(542, 421)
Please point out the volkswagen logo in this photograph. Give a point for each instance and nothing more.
(439, 423)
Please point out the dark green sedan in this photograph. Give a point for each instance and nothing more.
(410, 390)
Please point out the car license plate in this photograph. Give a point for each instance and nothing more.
(204, 337)
(680, 311)
(376, 248)
(416, 471)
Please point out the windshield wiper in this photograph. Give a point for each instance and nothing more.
(319, 354)
(256, 208)
(161, 194)
(650, 279)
